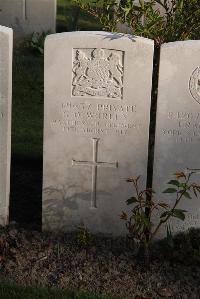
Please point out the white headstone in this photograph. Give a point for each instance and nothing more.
(177, 143)
(28, 16)
(97, 106)
(6, 40)
(157, 6)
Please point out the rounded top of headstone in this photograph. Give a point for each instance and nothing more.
(6, 29)
(182, 44)
(101, 35)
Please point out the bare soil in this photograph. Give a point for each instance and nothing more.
(105, 266)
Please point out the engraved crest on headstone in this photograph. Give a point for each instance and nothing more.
(98, 73)
(194, 84)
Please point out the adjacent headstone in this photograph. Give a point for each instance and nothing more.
(28, 16)
(6, 37)
(177, 143)
(158, 7)
(97, 106)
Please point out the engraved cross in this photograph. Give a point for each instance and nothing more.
(94, 164)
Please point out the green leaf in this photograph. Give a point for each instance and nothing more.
(126, 11)
(170, 190)
(180, 214)
(174, 182)
(131, 200)
(183, 185)
(187, 195)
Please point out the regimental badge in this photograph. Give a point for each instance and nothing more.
(194, 84)
(98, 73)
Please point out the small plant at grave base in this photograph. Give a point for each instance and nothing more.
(36, 42)
(140, 223)
(84, 237)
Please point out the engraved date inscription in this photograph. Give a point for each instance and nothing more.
(182, 127)
(95, 118)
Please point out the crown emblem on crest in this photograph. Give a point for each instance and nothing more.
(97, 74)
(194, 84)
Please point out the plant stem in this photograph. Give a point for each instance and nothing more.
(178, 198)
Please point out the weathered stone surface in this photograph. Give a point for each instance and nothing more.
(97, 106)
(178, 122)
(28, 16)
(6, 36)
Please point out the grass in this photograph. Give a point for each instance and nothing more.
(8, 291)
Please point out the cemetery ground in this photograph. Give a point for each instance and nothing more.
(74, 262)
(102, 266)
